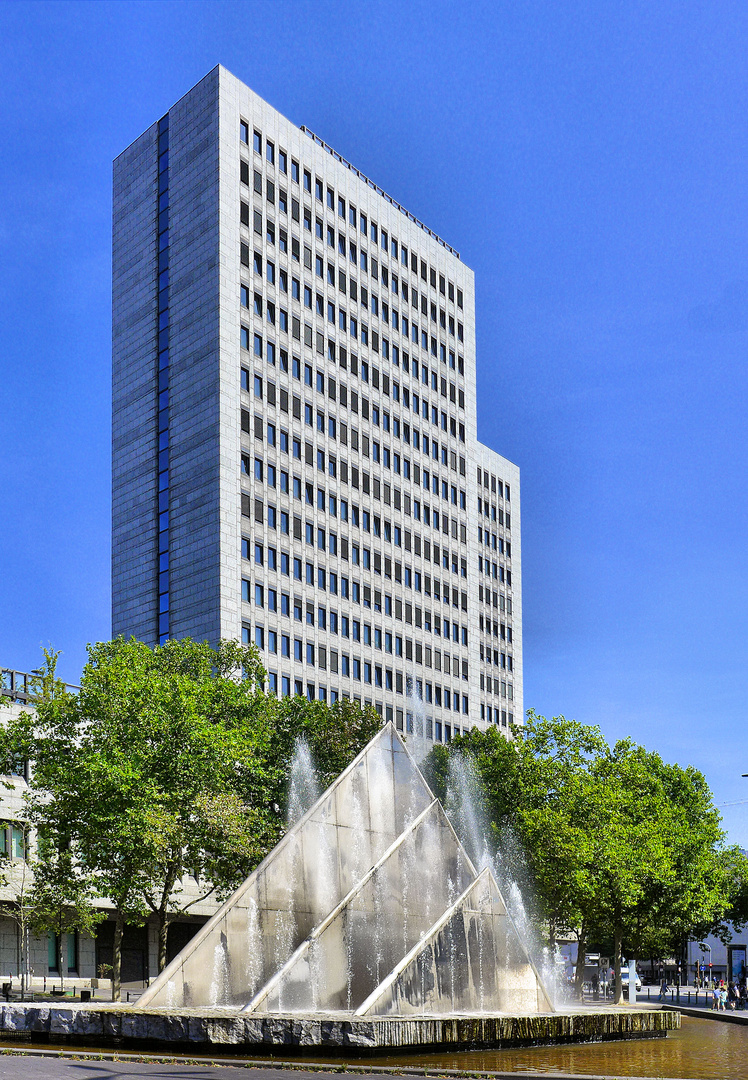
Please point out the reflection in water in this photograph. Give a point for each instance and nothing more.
(702, 1050)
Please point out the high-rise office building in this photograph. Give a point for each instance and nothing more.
(295, 452)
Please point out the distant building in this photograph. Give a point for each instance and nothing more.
(295, 453)
(727, 961)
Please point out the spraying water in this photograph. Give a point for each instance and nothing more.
(417, 726)
(304, 788)
(254, 964)
(219, 986)
(303, 792)
(464, 809)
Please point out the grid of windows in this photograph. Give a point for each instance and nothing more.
(348, 292)
(493, 506)
(369, 276)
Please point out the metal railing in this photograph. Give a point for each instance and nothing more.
(19, 686)
(379, 191)
(681, 996)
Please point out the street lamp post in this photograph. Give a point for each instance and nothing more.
(706, 945)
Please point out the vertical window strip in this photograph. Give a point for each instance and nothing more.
(162, 403)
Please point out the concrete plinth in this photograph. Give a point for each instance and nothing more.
(231, 1032)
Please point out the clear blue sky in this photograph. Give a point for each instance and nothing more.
(588, 161)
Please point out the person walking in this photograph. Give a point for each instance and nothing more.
(663, 990)
(715, 998)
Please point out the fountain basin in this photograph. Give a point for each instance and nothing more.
(231, 1032)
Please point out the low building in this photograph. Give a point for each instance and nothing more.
(82, 956)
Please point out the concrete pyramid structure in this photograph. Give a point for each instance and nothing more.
(369, 905)
(386, 913)
(304, 877)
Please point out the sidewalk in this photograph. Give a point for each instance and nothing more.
(688, 1006)
(727, 1017)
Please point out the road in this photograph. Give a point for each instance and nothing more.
(38, 1067)
(47, 1067)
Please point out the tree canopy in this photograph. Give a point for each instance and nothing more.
(169, 763)
(612, 842)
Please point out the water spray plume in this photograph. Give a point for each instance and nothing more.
(465, 809)
(303, 789)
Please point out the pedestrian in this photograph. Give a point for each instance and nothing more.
(732, 996)
(663, 990)
(715, 998)
(723, 998)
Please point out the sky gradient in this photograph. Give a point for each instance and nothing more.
(589, 163)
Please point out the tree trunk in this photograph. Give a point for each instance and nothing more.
(59, 959)
(579, 973)
(22, 956)
(617, 963)
(163, 913)
(163, 935)
(119, 927)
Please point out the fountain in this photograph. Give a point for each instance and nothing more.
(370, 924)
(369, 906)
(369, 927)
(465, 810)
(304, 788)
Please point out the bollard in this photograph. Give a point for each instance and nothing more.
(648, 989)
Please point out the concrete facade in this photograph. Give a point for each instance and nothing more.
(295, 454)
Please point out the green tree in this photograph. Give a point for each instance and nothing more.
(614, 842)
(170, 762)
(660, 867)
(62, 896)
(156, 768)
(555, 812)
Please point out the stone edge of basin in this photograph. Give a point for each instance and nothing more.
(117, 1025)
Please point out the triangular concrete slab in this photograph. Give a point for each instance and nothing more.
(471, 961)
(392, 908)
